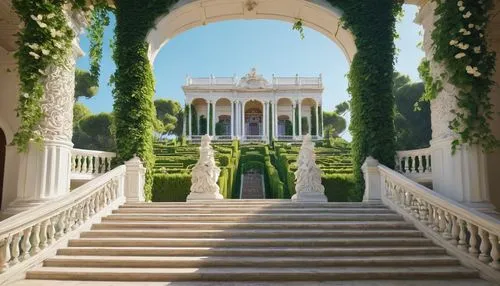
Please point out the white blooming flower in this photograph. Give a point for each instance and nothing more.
(453, 42)
(460, 3)
(41, 71)
(481, 35)
(467, 33)
(52, 32)
(478, 27)
(45, 52)
(34, 46)
(58, 45)
(467, 15)
(33, 17)
(463, 46)
(55, 56)
(35, 55)
(26, 95)
(50, 16)
(41, 24)
(473, 71)
(461, 9)
(477, 74)
(459, 55)
(477, 50)
(39, 17)
(471, 26)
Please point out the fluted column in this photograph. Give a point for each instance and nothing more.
(264, 118)
(300, 118)
(243, 123)
(184, 122)
(232, 119)
(293, 119)
(317, 120)
(189, 120)
(214, 116)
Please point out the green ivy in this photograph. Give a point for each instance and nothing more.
(460, 44)
(99, 20)
(432, 87)
(44, 40)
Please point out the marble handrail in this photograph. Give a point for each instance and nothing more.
(26, 234)
(465, 229)
(414, 161)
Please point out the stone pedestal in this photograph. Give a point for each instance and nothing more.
(134, 180)
(310, 197)
(44, 174)
(461, 176)
(373, 184)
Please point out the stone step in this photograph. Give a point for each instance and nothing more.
(253, 217)
(337, 225)
(252, 204)
(244, 261)
(254, 251)
(234, 242)
(251, 233)
(242, 210)
(250, 274)
(373, 282)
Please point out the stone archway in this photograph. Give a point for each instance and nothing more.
(3, 145)
(187, 14)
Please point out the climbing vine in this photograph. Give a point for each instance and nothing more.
(99, 21)
(44, 40)
(460, 44)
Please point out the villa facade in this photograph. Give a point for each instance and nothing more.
(252, 108)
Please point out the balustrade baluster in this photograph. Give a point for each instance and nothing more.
(494, 253)
(435, 219)
(407, 164)
(109, 164)
(25, 243)
(430, 215)
(484, 247)
(51, 230)
(73, 163)
(15, 251)
(86, 210)
(92, 205)
(84, 163)
(455, 230)
(90, 169)
(43, 233)
(442, 222)
(420, 163)
(429, 164)
(473, 239)
(462, 242)
(35, 239)
(79, 163)
(447, 226)
(4, 253)
(61, 221)
(422, 212)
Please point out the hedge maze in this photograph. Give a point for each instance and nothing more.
(277, 162)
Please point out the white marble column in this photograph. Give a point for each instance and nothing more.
(321, 122)
(189, 120)
(317, 120)
(184, 123)
(264, 119)
(243, 121)
(44, 171)
(232, 119)
(461, 176)
(208, 117)
(214, 117)
(300, 118)
(293, 119)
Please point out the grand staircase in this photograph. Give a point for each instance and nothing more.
(253, 240)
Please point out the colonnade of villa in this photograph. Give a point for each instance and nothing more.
(252, 109)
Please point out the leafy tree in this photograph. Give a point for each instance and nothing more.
(170, 114)
(95, 133)
(412, 126)
(84, 84)
(342, 108)
(333, 124)
(80, 111)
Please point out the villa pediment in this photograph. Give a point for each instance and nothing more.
(252, 80)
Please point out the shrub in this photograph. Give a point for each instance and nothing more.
(171, 187)
(338, 187)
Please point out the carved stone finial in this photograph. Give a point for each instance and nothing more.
(308, 185)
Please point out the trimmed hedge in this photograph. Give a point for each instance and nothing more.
(171, 187)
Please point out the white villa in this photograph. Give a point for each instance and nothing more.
(253, 108)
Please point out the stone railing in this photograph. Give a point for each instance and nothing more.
(89, 164)
(415, 164)
(27, 235)
(472, 236)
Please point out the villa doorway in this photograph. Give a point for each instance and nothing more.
(3, 145)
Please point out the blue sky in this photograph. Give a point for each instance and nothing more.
(233, 47)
